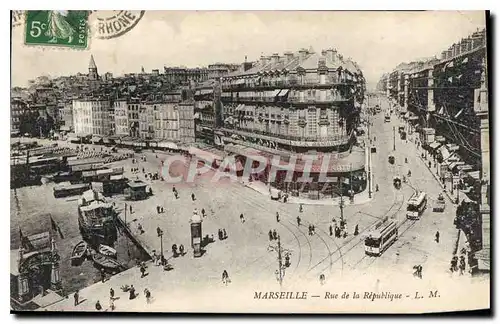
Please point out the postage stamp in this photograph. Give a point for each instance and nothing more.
(66, 28)
(112, 24)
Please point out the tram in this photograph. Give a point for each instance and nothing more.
(416, 205)
(379, 240)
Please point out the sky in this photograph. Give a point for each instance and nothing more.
(377, 40)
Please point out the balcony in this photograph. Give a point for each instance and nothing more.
(290, 100)
(296, 84)
(292, 140)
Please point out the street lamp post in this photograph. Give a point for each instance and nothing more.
(341, 201)
(394, 137)
(280, 273)
(160, 235)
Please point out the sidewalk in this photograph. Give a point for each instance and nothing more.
(452, 199)
(359, 199)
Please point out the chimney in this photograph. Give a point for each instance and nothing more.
(275, 58)
(288, 57)
(302, 54)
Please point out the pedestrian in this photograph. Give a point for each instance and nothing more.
(275, 235)
(225, 234)
(143, 271)
(220, 234)
(103, 275)
(174, 249)
(158, 231)
(225, 277)
(313, 229)
(98, 306)
(193, 197)
(331, 230)
(147, 293)
(75, 297)
(181, 249)
(301, 208)
(174, 190)
(356, 230)
(322, 279)
(270, 235)
(437, 236)
(298, 220)
(277, 217)
(309, 230)
(111, 293)
(203, 212)
(131, 292)
(131, 209)
(162, 210)
(242, 218)
(112, 304)
(176, 195)
(139, 228)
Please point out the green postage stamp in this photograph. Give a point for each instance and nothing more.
(65, 28)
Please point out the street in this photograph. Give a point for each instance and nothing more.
(250, 257)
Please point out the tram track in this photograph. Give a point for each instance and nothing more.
(386, 215)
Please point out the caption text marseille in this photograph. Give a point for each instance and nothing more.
(372, 296)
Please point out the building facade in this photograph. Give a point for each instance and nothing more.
(166, 119)
(91, 117)
(446, 101)
(297, 103)
(186, 122)
(133, 118)
(67, 117)
(146, 121)
(17, 110)
(121, 118)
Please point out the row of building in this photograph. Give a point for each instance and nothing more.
(172, 121)
(447, 100)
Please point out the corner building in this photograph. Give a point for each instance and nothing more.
(303, 103)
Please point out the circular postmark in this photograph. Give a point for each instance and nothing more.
(115, 23)
(17, 17)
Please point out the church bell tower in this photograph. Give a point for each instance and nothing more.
(93, 75)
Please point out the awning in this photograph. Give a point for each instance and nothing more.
(92, 173)
(434, 145)
(206, 91)
(273, 93)
(413, 118)
(474, 174)
(452, 147)
(168, 145)
(240, 107)
(453, 158)
(465, 167)
(444, 152)
(283, 92)
(455, 164)
(440, 139)
(117, 177)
